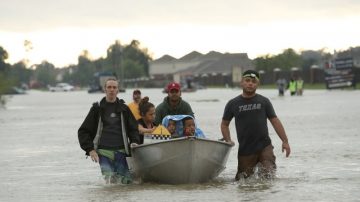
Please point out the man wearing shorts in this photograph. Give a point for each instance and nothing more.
(251, 111)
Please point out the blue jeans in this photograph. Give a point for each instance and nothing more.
(116, 169)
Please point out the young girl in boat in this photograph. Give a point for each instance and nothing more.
(146, 122)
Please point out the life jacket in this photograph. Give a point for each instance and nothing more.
(299, 84)
(292, 86)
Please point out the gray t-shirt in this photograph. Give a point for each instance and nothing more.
(251, 116)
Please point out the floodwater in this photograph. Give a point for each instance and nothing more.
(41, 159)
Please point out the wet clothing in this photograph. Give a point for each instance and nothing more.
(247, 164)
(111, 133)
(165, 109)
(142, 123)
(251, 116)
(114, 166)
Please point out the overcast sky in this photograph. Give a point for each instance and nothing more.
(60, 30)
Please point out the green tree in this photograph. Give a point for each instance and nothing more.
(114, 55)
(133, 69)
(84, 71)
(5, 84)
(265, 63)
(3, 56)
(139, 56)
(20, 73)
(128, 61)
(285, 61)
(45, 73)
(288, 59)
(5, 81)
(68, 75)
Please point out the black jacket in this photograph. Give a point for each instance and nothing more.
(88, 128)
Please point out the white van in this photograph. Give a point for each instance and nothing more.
(61, 87)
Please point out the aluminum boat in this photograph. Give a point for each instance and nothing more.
(180, 161)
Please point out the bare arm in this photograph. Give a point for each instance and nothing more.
(226, 131)
(143, 130)
(276, 123)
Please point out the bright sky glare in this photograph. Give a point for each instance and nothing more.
(59, 31)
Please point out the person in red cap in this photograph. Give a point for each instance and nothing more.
(173, 104)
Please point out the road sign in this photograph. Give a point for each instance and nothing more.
(341, 74)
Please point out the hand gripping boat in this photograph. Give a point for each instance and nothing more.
(181, 160)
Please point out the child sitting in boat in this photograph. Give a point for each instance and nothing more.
(172, 128)
(179, 120)
(189, 126)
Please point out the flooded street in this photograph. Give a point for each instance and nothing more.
(41, 159)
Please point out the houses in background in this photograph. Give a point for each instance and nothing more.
(211, 69)
(225, 69)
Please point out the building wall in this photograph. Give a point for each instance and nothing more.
(170, 67)
(205, 70)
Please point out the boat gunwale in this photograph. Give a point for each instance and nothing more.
(180, 139)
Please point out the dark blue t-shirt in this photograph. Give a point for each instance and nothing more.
(251, 116)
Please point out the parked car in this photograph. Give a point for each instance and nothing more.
(14, 91)
(61, 87)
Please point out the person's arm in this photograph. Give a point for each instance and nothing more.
(86, 133)
(276, 123)
(87, 130)
(226, 131)
(143, 130)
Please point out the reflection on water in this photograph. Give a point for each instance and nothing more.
(42, 161)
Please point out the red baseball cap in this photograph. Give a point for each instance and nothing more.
(173, 85)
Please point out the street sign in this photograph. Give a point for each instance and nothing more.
(341, 74)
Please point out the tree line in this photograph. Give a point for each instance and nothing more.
(124, 61)
(130, 61)
(289, 58)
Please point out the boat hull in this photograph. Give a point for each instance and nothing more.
(180, 161)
